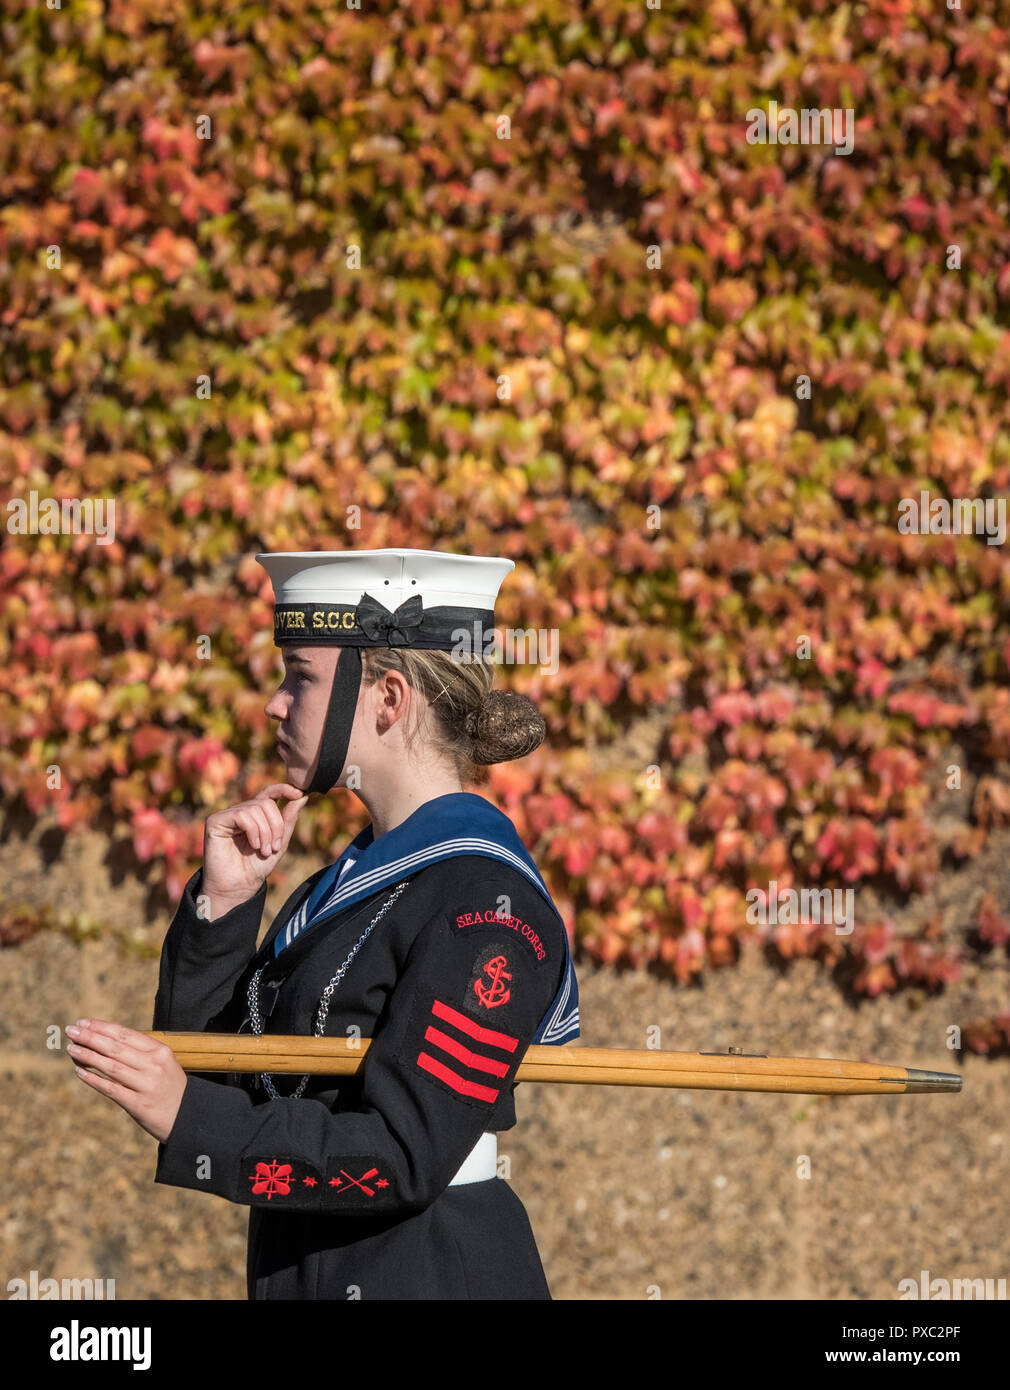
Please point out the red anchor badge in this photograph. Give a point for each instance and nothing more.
(495, 992)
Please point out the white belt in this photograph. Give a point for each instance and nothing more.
(480, 1163)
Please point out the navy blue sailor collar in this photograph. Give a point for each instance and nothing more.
(459, 823)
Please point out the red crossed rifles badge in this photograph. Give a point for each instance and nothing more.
(493, 992)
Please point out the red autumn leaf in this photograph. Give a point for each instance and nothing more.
(873, 979)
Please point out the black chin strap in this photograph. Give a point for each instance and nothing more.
(339, 718)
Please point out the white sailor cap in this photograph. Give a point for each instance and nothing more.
(383, 598)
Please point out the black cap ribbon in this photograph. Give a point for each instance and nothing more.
(391, 629)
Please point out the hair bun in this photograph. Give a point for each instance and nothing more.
(507, 725)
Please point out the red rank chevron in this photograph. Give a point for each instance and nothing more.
(479, 1059)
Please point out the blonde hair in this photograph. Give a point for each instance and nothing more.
(472, 725)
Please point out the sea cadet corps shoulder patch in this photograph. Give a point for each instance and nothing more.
(355, 1182)
(495, 915)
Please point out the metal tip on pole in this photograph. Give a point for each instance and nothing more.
(932, 1080)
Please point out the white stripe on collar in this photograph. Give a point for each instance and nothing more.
(396, 868)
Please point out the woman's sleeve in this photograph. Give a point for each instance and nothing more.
(201, 961)
(480, 977)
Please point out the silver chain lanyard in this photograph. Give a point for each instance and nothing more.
(252, 998)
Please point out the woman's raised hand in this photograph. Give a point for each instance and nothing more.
(243, 844)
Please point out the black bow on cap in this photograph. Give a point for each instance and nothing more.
(390, 629)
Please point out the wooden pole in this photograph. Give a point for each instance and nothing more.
(598, 1066)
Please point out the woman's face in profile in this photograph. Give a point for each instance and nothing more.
(300, 704)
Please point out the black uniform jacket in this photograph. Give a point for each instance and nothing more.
(348, 1185)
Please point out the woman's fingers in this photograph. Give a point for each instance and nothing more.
(99, 1032)
(277, 789)
(120, 1094)
(245, 821)
(112, 1049)
(259, 820)
(275, 821)
(103, 1065)
(265, 844)
(256, 828)
(290, 813)
(281, 821)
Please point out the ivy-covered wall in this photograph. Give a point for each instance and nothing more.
(523, 280)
